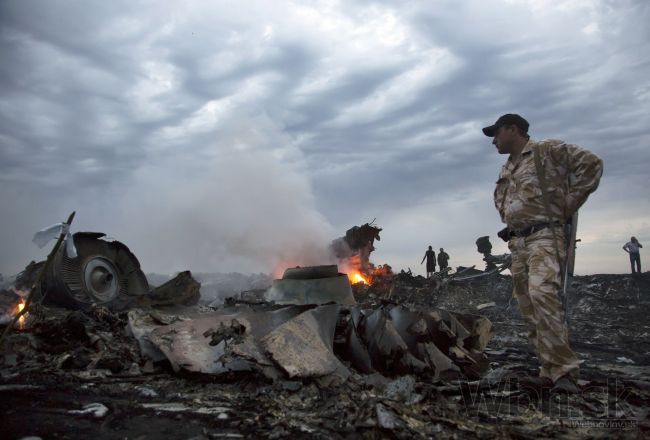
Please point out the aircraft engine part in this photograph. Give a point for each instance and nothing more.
(104, 272)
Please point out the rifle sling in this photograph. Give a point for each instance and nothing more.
(541, 176)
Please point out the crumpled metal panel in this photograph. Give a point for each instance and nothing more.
(385, 345)
(303, 346)
(437, 360)
(479, 329)
(140, 325)
(183, 289)
(298, 341)
(196, 344)
(355, 350)
(187, 345)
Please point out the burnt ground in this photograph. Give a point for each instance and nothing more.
(71, 359)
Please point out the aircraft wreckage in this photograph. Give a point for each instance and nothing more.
(310, 327)
(311, 355)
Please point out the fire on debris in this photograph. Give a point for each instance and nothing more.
(356, 277)
(19, 308)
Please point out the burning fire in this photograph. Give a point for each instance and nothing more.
(356, 277)
(20, 307)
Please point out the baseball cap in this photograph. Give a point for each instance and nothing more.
(507, 119)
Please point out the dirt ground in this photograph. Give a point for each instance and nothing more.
(50, 373)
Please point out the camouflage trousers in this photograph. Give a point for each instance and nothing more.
(537, 280)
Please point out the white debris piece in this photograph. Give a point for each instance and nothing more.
(97, 410)
(180, 407)
(485, 305)
(42, 237)
(146, 391)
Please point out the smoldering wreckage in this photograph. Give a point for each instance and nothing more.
(101, 352)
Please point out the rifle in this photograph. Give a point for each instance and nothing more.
(570, 231)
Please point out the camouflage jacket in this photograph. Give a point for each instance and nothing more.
(571, 174)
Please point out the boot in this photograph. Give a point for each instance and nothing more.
(566, 385)
(535, 382)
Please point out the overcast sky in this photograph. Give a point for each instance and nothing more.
(243, 135)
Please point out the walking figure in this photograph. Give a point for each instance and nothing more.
(430, 256)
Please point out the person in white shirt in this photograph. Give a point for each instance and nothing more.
(632, 248)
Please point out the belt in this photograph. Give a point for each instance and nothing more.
(532, 229)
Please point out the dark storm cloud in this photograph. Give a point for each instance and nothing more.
(142, 114)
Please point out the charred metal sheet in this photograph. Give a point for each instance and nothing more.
(354, 350)
(183, 289)
(437, 360)
(399, 340)
(187, 345)
(388, 351)
(303, 346)
(140, 325)
(479, 329)
(446, 330)
(414, 329)
(409, 324)
(384, 343)
(218, 342)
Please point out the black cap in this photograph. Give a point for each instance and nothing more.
(508, 119)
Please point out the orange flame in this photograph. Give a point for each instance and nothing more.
(20, 307)
(356, 277)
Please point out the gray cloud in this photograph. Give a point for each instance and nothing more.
(216, 136)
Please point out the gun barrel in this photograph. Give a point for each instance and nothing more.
(571, 245)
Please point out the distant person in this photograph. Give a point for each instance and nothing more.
(430, 256)
(443, 259)
(632, 248)
(540, 187)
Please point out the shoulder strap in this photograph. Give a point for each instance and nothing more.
(505, 193)
(541, 176)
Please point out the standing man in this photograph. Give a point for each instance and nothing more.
(632, 248)
(540, 187)
(430, 255)
(443, 259)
